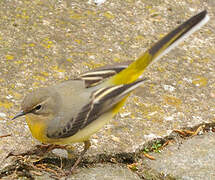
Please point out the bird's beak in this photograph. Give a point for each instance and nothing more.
(21, 113)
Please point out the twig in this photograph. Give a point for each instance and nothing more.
(6, 135)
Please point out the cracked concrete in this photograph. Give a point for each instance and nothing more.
(44, 42)
(187, 159)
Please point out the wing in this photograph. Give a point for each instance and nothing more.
(97, 76)
(101, 101)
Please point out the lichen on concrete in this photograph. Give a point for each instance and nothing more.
(44, 42)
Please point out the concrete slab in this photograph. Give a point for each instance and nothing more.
(44, 42)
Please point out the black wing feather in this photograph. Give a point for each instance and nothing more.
(98, 75)
(100, 103)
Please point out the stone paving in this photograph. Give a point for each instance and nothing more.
(44, 42)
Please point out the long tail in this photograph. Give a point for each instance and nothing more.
(135, 69)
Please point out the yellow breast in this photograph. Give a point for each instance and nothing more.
(37, 128)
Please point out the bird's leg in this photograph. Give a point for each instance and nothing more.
(86, 147)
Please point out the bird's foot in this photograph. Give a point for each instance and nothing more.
(38, 150)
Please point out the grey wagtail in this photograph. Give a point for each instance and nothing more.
(73, 110)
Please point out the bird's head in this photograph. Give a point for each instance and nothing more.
(39, 108)
(41, 102)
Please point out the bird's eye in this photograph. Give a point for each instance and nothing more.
(37, 108)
